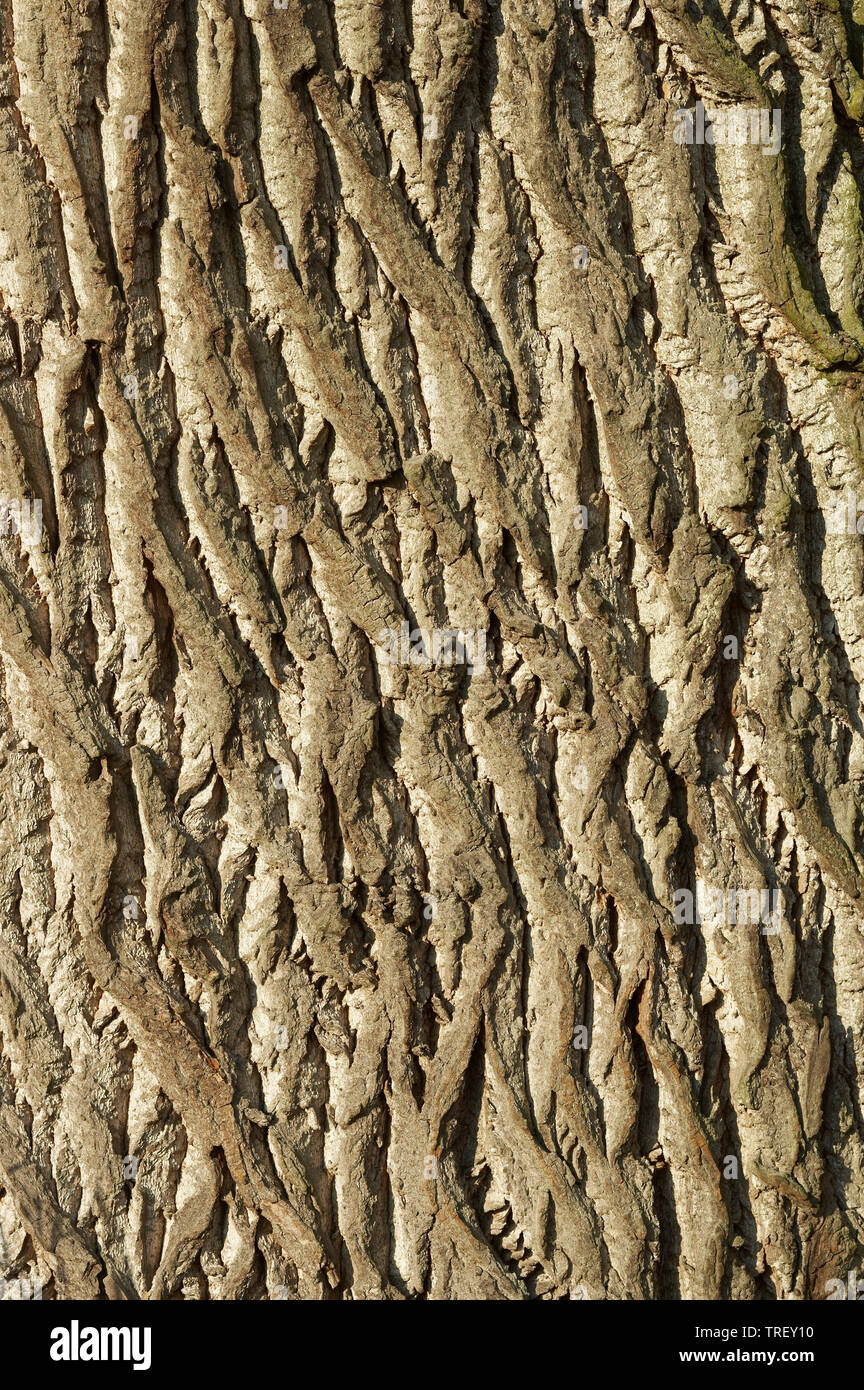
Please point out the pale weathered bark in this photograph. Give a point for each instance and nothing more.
(328, 976)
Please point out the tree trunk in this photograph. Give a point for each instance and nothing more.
(431, 629)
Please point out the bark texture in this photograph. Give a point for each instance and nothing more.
(330, 967)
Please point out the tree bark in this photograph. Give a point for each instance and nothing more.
(431, 596)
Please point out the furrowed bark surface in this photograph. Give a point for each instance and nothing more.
(328, 976)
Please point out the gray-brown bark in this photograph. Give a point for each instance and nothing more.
(330, 967)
